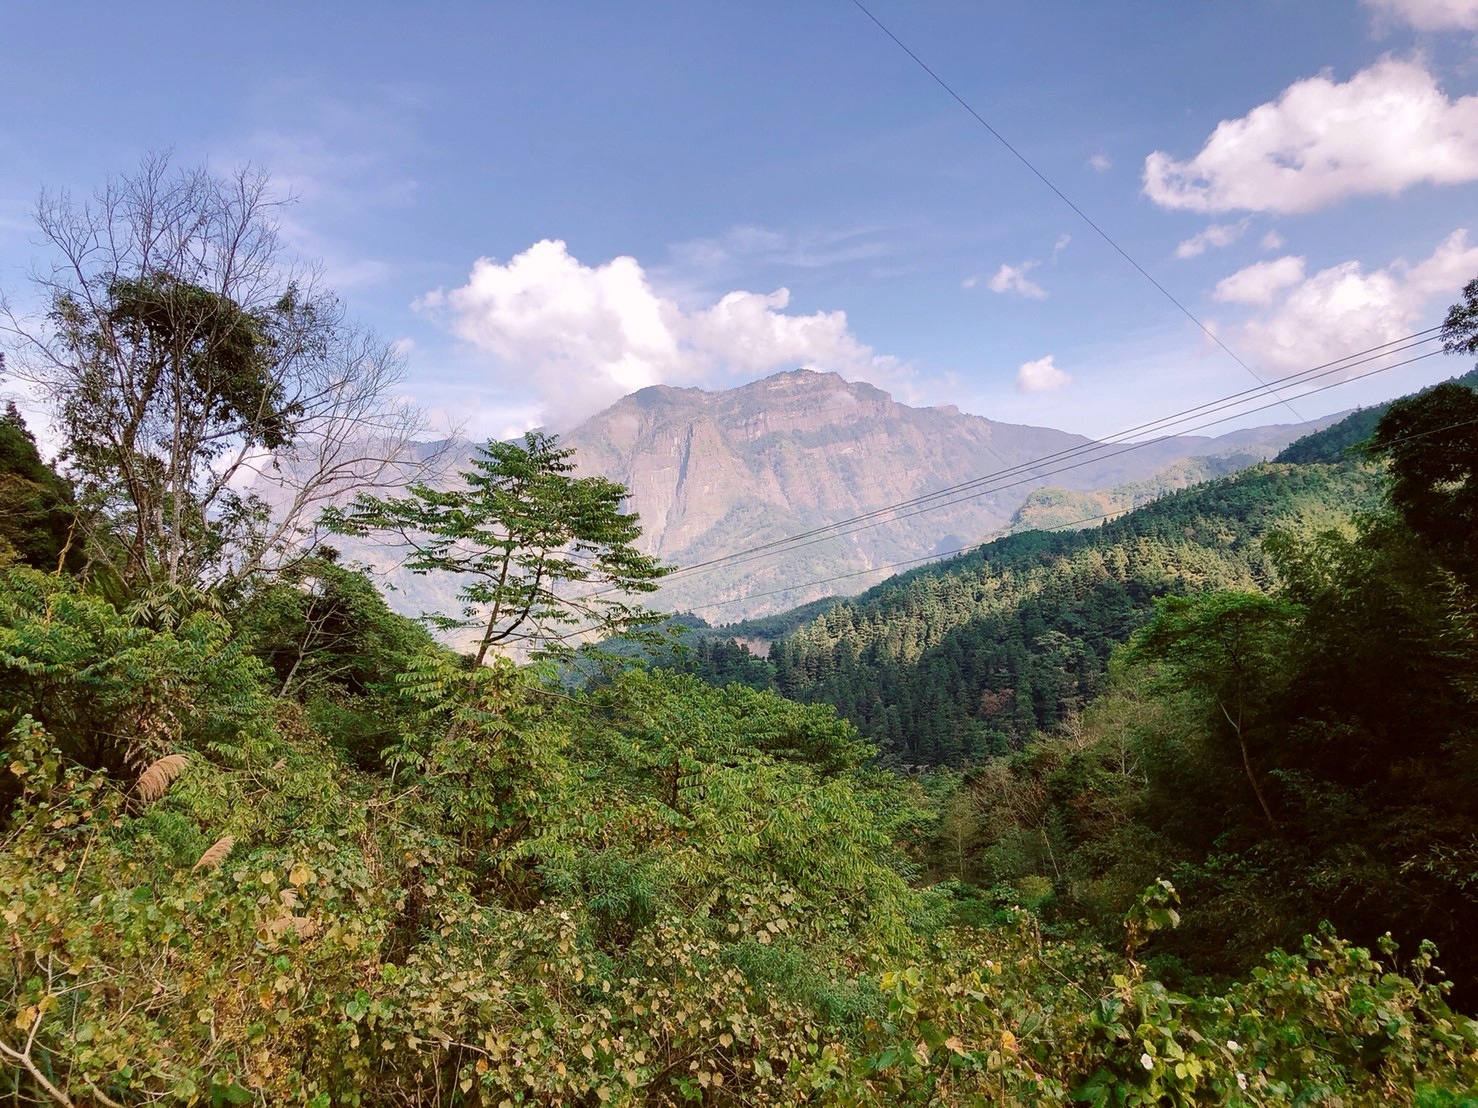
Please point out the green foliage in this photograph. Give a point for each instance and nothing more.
(115, 692)
(954, 663)
(521, 533)
(1001, 1017)
(1431, 441)
(363, 952)
(37, 511)
(333, 643)
(1287, 759)
(1460, 328)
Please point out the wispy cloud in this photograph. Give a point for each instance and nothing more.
(745, 250)
(339, 160)
(1216, 235)
(1429, 15)
(1014, 279)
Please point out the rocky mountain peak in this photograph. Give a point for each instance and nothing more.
(715, 472)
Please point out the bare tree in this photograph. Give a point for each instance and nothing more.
(210, 394)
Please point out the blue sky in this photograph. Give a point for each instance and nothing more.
(549, 204)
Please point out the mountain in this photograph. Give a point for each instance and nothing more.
(971, 656)
(968, 658)
(715, 473)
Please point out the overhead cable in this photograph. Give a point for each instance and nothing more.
(1022, 158)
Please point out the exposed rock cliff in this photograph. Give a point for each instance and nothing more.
(713, 473)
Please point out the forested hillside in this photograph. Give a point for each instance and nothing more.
(953, 663)
(970, 657)
(1286, 759)
(263, 841)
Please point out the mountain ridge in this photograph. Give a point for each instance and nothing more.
(711, 472)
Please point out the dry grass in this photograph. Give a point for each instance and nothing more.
(216, 854)
(154, 782)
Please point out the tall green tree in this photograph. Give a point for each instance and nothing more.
(547, 557)
(195, 374)
(1227, 648)
(1431, 442)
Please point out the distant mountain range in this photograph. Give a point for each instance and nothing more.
(714, 473)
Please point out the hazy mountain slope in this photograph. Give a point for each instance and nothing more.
(714, 473)
(1054, 507)
(970, 656)
(717, 472)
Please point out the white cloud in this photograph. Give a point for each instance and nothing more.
(1258, 284)
(1430, 15)
(1272, 241)
(1012, 278)
(1217, 235)
(1389, 127)
(1343, 309)
(578, 337)
(1041, 376)
(1101, 163)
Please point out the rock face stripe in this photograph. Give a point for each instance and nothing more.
(713, 472)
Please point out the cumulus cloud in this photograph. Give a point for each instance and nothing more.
(1013, 278)
(1430, 15)
(1217, 235)
(1389, 127)
(1101, 163)
(1344, 308)
(1258, 284)
(1272, 241)
(579, 337)
(1041, 376)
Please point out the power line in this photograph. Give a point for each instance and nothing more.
(1235, 400)
(1056, 527)
(1022, 158)
(1076, 465)
(1222, 404)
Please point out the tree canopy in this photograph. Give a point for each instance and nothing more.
(210, 394)
(547, 557)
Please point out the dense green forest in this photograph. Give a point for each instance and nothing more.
(947, 665)
(971, 657)
(263, 841)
